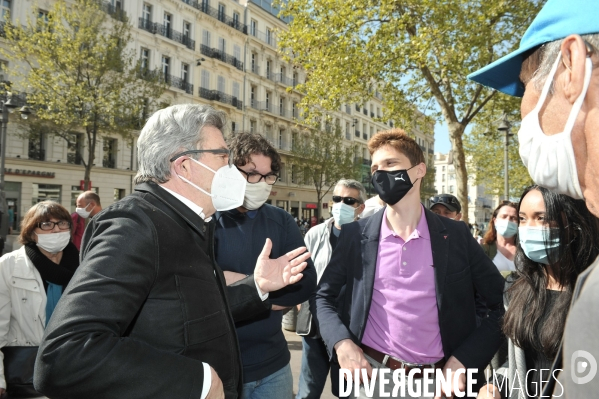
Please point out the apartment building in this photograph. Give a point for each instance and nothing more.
(218, 52)
(480, 203)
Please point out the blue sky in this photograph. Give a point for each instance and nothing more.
(442, 143)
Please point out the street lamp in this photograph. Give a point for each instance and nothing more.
(9, 105)
(504, 127)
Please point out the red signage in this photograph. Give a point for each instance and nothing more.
(311, 206)
(82, 185)
(273, 193)
(325, 205)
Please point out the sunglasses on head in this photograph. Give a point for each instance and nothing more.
(444, 200)
(346, 200)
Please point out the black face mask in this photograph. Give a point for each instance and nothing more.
(393, 185)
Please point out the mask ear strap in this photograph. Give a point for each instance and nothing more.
(588, 71)
(548, 83)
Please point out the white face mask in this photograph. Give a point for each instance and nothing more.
(228, 187)
(256, 195)
(550, 159)
(83, 212)
(53, 242)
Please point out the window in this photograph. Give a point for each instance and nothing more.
(295, 82)
(443, 177)
(46, 192)
(205, 79)
(254, 63)
(294, 174)
(221, 12)
(221, 84)
(282, 106)
(166, 66)
(443, 169)
(237, 52)
(268, 64)
(75, 148)
(110, 151)
(253, 27)
(222, 45)
(294, 141)
(185, 72)
(119, 193)
(235, 91)
(268, 95)
(450, 189)
(268, 36)
(253, 96)
(252, 126)
(282, 139)
(5, 10)
(205, 5)
(282, 173)
(269, 137)
(145, 58)
(235, 19)
(42, 16)
(147, 12)
(167, 24)
(37, 147)
(206, 38)
(233, 126)
(371, 131)
(294, 108)
(347, 132)
(186, 29)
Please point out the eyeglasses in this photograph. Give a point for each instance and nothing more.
(346, 200)
(62, 225)
(444, 200)
(254, 177)
(217, 151)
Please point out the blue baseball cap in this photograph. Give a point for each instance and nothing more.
(556, 20)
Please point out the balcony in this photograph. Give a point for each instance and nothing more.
(213, 12)
(162, 30)
(371, 114)
(221, 97)
(109, 163)
(266, 37)
(39, 154)
(365, 111)
(178, 83)
(285, 113)
(2, 32)
(431, 151)
(254, 104)
(271, 76)
(114, 11)
(357, 133)
(74, 158)
(262, 106)
(280, 78)
(423, 148)
(255, 69)
(221, 55)
(365, 136)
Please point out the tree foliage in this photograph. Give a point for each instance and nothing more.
(412, 51)
(321, 159)
(80, 75)
(485, 148)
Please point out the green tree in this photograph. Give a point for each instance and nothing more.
(485, 150)
(412, 51)
(321, 159)
(79, 74)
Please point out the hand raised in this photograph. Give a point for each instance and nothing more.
(274, 274)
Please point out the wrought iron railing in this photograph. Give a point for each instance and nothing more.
(221, 16)
(221, 55)
(215, 95)
(169, 33)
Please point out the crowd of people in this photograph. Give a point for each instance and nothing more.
(178, 290)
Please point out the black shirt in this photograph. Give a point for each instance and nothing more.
(334, 236)
(537, 363)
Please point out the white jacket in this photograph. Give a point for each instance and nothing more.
(22, 304)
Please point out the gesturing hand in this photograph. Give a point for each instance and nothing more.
(351, 357)
(274, 274)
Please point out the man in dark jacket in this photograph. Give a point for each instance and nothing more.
(148, 315)
(264, 351)
(409, 278)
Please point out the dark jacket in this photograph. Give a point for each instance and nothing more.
(460, 267)
(146, 307)
(240, 238)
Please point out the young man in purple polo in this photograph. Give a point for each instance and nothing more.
(410, 277)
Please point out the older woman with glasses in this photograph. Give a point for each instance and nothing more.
(33, 277)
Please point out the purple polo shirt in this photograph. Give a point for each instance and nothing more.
(403, 321)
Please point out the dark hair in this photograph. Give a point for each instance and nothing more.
(491, 234)
(38, 213)
(577, 230)
(92, 196)
(244, 145)
(399, 140)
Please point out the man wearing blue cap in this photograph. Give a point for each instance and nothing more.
(555, 71)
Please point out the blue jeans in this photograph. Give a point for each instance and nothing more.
(278, 385)
(315, 369)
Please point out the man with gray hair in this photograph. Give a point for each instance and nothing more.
(555, 73)
(348, 197)
(149, 314)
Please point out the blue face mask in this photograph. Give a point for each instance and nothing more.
(506, 228)
(343, 213)
(532, 241)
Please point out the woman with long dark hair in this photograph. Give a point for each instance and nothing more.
(557, 241)
(499, 243)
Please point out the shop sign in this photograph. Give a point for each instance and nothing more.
(32, 173)
(82, 185)
(311, 206)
